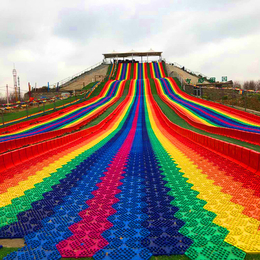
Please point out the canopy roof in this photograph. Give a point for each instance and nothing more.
(132, 53)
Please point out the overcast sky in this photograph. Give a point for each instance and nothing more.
(52, 40)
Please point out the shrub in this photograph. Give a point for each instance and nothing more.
(225, 97)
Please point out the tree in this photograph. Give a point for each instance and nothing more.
(258, 85)
(237, 84)
(249, 85)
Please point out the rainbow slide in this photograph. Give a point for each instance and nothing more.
(111, 92)
(203, 112)
(133, 187)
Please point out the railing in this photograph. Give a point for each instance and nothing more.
(195, 73)
(75, 76)
(174, 74)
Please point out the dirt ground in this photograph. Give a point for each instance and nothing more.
(17, 242)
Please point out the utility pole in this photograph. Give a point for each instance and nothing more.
(7, 94)
(15, 83)
(3, 121)
(19, 89)
(245, 99)
(29, 86)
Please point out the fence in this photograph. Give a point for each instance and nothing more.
(75, 76)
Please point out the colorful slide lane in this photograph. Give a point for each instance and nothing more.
(202, 113)
(130, 191)
(111, 92)
(131, 188)
(123, 71)
(111, 71)
(223, 185)
(140, 71)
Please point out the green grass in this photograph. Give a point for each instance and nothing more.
(97, 90)
(90, 85)
(148, 71)
(132, 71)
(181, 122)
(108, 71)
(179, 84)
(5, 251)
(16, 115)
(164, 67)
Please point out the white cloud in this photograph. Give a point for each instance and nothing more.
(51, 40)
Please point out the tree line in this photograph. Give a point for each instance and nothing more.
(248, 85)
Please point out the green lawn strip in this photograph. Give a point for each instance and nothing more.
(109, 69)
(148, 71)
(6, 250)
(164, 67)
(16, 115)
(252, 257)
(97, 90)
(179, 84)
(110, 109)
(176, 119)
(90, 85)
(132, 71)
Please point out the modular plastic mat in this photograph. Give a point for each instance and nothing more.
(132, 190)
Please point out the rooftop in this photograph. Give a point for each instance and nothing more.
(132, 53)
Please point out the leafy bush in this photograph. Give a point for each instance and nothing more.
(225, 97)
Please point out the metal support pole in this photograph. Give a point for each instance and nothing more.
(7, 94)
(19, 89)
(27, 110)
(3, 121)
(233, 96)
(245, 100)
